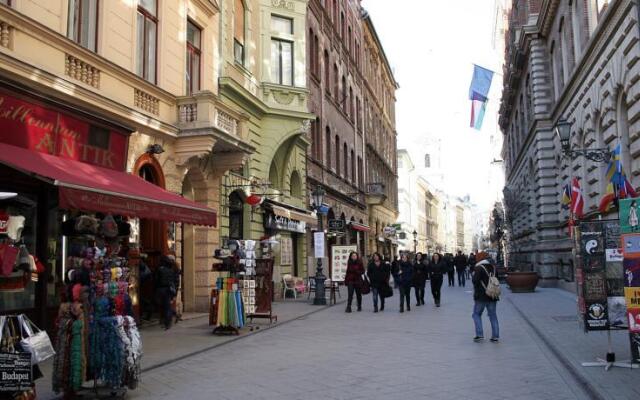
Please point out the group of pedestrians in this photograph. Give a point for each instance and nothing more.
(414, 273)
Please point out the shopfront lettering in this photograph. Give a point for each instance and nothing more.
(46, 130)
(277, 222)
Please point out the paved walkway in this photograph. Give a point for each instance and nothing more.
(425, 353)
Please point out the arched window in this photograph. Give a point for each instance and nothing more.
(295, 185)
(353, 167)
(238, 31)
(342, 25)
(553, 79)
(343, 100)
(336, 82)
(327, 139)
(317, 140)
(351, 103)
(345, 155)
(337, 154)
(317, 55)
(576, 28)
(327, 72)
(622, 120)
(273, 176)
(349, 41)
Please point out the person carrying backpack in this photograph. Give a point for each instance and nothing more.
(486, 293)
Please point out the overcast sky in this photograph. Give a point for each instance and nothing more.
(432, 46)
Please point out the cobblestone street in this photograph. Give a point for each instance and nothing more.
(425, 353)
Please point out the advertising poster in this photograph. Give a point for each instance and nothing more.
(591, 239)
(629, 212)
(632, 297)
(595, 287)
(615, 279)
(633, 316)
(631, 245)
(631, 272)
(617, 311)
(635, 347)
(596, 316)
(339, 259)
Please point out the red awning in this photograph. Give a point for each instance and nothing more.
(359, 227)
(90, 188)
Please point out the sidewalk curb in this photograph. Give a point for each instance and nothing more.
(240, 337)
(586, 386)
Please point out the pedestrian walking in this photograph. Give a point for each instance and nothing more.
(484, 269)
(404, 279)
(166, 289)
(419, 278)
(353, 280)
(379, 273)
(460, 262)
(448, 257)
(437, 269)
(471, 265)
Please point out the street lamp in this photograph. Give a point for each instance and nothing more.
(319, 299)
(563, 132)
(415, 241)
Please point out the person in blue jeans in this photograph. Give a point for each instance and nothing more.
(480, 281)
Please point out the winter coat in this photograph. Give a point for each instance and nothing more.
(355, 269)
(437, 270)
(166, 277)
(460, 262)
(378, 274)
(481, 277)
(404, 277)
(419, 274)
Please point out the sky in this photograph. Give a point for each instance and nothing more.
(432, 46)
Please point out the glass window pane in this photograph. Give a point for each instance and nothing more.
(238, 52)
(188, 72)
(287, 63)
(89, 24)
(195, 73)
(193, 35)
(72, 25)
(275, 61)
(140, 45)
(151, 51)
(281, 24)
(149, 5)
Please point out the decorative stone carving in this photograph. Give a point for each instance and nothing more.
(226, 122)
(305, 126)
(146, 102)
(188, 112)
(81, 71)
(6, 34)
(282, 97)
(287, 5)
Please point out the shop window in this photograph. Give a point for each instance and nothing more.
(236, 216)
(99, 137)
(282, 62)
(239, 32)
(193, 58)
(82, 25)
(147, 38)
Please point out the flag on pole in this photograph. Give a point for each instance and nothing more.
(478, 94)
(566, 196)
(608, 199)
(622, 188)
(577, 201)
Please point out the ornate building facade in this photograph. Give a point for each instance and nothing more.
(569, 61)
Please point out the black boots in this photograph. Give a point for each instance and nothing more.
(348, 310)
(375, 308)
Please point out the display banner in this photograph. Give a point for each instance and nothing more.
(593, 282)
(339, 260)
(29, 124)
(631, 274)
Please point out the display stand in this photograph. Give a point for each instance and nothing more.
(610, 360)
(263, 290)
(226, 308)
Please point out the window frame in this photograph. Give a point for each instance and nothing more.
(236, 43)
(279, 79)
(190, 49)
(154, 18)
(77, 30)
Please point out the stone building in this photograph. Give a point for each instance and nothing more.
(573, 61)
(379, 108)
(336, 156)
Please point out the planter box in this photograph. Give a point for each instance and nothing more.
(522, 282)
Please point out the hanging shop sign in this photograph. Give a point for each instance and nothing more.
(591, 274)
(28, 124)
(277, 222)
(15, 372)
(389, 231)
(336, 225)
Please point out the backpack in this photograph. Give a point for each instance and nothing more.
(492, 288)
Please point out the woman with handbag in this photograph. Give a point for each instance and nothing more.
(419, 278)
(353, 280)
(379, 273)
(404, 278)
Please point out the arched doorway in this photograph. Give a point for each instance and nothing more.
(153, 233)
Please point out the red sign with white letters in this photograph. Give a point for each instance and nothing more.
(36, 127)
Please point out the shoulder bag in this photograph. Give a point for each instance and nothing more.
(35, 341)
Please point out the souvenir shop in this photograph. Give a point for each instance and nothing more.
(67, 211)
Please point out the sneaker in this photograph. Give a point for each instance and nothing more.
(494, 339)
(478, 339)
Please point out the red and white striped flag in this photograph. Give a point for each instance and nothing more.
(577, 200)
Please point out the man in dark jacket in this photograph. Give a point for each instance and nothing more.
(404, 278)
(483, 269)
(437, 269)
(166, 289)
(472, 264)
(460, 262)
(448, 257)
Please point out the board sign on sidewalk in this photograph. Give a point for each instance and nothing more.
(339, 259)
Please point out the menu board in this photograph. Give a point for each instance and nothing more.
(339, 261)
(286, 251)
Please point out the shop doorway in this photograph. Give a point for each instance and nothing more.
(153, 236)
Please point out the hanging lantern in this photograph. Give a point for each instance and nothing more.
(254, 200)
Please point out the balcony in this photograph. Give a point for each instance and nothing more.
(375, 193)
(206, 125)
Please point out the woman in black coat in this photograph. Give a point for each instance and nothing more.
(404, 278)
(419, 278)
(437, 269)
(378, 272)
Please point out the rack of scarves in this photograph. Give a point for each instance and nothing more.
(229, 309)
(97, 341)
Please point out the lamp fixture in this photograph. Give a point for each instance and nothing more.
(563, 132)
(318, 196)
(155, 149)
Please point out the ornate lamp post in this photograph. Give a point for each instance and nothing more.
(319, 299)
(415, 241)
(563, 132)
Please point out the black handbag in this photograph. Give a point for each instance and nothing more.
(366, 286)
(386, 291)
